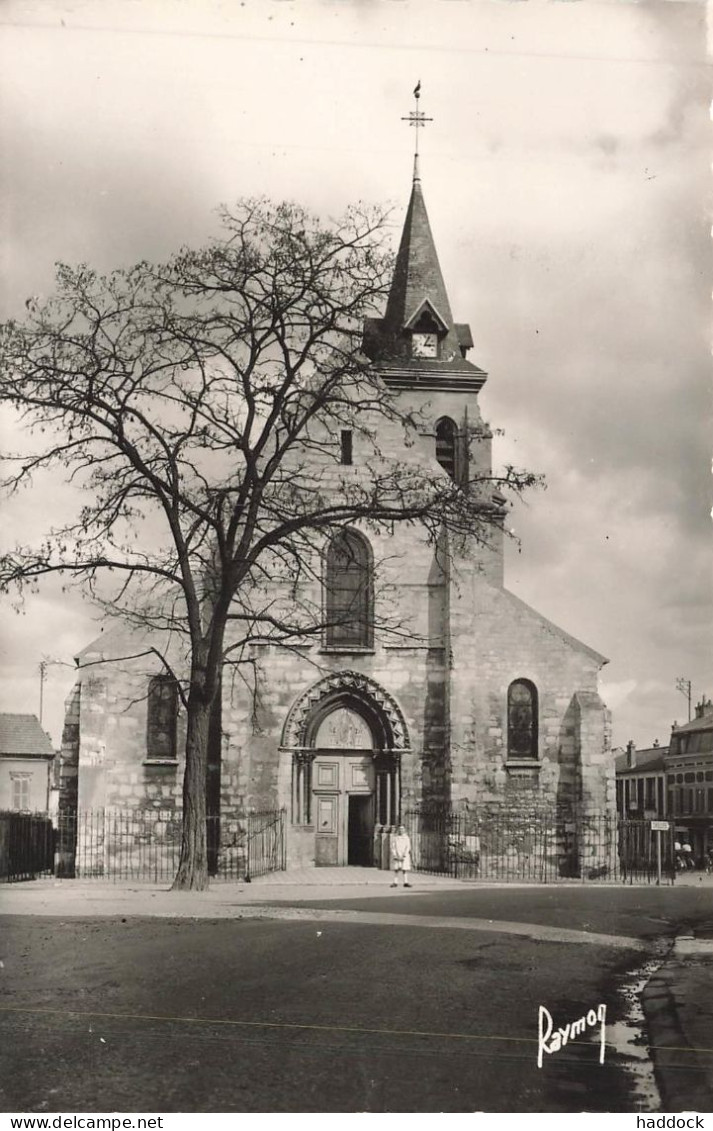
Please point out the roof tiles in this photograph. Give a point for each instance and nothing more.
(22, 734)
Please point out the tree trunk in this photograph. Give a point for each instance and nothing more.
(192, 874)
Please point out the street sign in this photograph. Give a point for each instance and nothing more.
(660, 826)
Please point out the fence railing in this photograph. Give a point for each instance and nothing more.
(540, 848)
(266, 848)
(26, 846)
(145, 845)
(465, 843)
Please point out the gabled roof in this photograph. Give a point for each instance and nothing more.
(123, 642)
(550, 626)
(427, 308)
(119, 641)
(22, 734)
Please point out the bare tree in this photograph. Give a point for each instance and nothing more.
(197, 407)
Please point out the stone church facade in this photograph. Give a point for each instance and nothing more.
(432, 685)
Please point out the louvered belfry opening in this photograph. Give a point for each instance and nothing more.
(447, 445)
(349, 592)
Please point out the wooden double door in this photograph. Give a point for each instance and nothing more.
(344, 808)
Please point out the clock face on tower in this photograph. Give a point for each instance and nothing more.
(424, 345)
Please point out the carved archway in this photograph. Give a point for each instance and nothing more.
(356, 695)
(352, 689)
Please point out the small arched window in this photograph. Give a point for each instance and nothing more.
(447, 446)
(161, 718)
(522, 719)
(349, 592)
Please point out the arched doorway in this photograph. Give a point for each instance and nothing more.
(343, 788)
(346, 737)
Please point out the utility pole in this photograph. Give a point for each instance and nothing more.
(684, 686)
(43, 666)
(43, 673)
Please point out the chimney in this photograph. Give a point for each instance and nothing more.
(703, 707)
(656, 744)
(630, 755)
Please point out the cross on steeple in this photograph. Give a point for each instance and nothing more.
(418, 119)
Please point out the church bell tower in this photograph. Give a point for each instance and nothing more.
(420, 353)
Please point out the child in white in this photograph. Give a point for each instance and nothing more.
(401, 856)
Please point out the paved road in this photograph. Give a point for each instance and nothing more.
(294, 1015)
(635, 912)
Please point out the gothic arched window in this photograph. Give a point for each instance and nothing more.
(522, 719)
(349, 592)
(447, 446)
(161, 718)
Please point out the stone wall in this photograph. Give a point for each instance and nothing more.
(496, 639)
(104, 762)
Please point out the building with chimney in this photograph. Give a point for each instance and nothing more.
(478, 702)
(689, 780)
(641, 782)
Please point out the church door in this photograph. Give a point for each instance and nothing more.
(343, 790)
(360, 830)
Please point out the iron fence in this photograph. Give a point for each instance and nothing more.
(145, 845)
(641, 850)
(542, 847)
(26, 846)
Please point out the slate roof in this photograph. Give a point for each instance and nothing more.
(647, 761)
(22, 734)
(417, 272)
(705, 722)
(417, 286)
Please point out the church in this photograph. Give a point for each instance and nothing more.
(476, 703)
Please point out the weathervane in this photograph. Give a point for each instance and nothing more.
(418, 119)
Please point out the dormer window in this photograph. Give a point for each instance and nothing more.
(425, 335)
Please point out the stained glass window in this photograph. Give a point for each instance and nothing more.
(522, 719)
(161, 716)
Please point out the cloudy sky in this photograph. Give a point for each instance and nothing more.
(565, 173)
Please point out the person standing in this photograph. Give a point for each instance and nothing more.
(401, 856)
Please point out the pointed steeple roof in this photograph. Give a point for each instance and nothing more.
(417, 307)
(418, 279)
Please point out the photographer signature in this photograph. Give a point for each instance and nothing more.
(551, 1040)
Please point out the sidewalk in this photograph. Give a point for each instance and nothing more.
(223, 899)
(66, 899)
(226, 898)
(694, 879)
(678, 1006)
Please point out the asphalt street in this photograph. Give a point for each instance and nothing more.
(259, 1015)
(638, 912)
